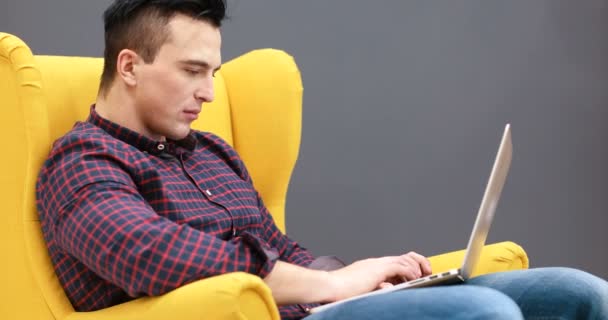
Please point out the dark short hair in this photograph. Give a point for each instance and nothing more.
(141, 25)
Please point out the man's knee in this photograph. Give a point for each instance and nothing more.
(587, 291)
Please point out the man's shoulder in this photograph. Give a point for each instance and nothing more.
(82, 137)
(85, 142)
(83, 156)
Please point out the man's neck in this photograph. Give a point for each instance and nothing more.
(118, 107)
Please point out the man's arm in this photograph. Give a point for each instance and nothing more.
(110, 228)
(291, 284)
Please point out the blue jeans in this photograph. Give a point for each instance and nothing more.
(545, 293)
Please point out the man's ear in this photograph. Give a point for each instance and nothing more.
(126, 63)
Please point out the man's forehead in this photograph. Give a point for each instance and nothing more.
(195, 40)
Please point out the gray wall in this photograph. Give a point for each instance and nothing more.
(404, 105)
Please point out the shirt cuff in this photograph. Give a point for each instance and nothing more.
(265, 256)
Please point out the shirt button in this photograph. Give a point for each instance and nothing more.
(208, 192)
(160, 147)
(233, 232)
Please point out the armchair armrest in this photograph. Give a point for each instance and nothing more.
(235, 296)
(502, 256)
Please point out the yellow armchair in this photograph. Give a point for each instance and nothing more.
(257, 110)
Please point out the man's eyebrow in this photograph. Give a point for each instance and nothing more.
(200, 63)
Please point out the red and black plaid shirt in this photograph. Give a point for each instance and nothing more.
(125, 216)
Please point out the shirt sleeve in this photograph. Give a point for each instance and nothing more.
(100, 218)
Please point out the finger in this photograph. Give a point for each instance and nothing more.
(413, 264)
(399, 268)
(403, 268)
(385, 285)
(396, 280)
(425, 264)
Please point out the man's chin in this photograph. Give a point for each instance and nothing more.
(175, 136)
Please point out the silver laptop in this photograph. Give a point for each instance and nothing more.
(478, 236)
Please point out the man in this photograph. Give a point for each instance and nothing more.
(134, 203)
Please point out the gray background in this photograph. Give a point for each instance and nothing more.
(404, 106)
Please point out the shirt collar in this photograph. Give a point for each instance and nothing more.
(141, 142)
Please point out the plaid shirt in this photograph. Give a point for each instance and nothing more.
(125, 216)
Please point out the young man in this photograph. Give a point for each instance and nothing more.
(135, 203)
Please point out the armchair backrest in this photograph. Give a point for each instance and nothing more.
(257, 110)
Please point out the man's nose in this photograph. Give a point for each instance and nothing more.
(205, 93)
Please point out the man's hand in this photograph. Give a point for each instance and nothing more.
(369, 274)
(293, 284)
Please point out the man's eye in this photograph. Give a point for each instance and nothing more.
(192, 72)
